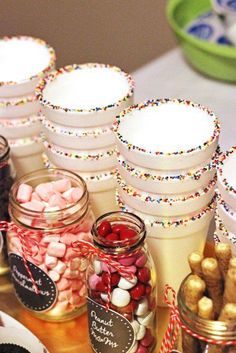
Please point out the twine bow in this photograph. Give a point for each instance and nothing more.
(175, 324)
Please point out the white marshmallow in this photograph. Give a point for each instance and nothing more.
(54, 275)
(125, 284)
(97, 266)
(120, 297)
(141, 332)
(50, 261)
(142, 307)
(60, 267)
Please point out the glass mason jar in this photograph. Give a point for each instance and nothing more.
(207, 329)
(7, 175)
(57, 269)
(121, 310)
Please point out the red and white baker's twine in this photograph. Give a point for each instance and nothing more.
(175, 324)
(83, 248)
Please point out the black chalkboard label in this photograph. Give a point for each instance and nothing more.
(108, 330)
(24, 287)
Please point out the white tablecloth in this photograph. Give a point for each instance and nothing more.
(171, 77)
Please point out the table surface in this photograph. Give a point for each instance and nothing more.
(168, 76)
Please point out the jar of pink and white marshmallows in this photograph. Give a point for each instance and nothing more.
(121, 282)
(49, 211)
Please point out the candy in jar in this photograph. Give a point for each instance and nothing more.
(121, 283)
(7, 174)
(49, 211)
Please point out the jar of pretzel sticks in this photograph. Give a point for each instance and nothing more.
(121, 286)
(207, 304)
(50, 211)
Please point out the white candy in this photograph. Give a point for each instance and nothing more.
(146, 319)
(120, 297)
(134, 347)
(97, 266)
(50, 261)
(125, 284)
(54, 275)
(142, 307)
(60, 267)
(141, 332)
(135, 326)
(104, 297)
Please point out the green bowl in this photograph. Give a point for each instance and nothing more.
(215, 60)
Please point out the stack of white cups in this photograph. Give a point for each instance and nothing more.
(166, 175)
(23, 61)
(79, 104)
(226, 199)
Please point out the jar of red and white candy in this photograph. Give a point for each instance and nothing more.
(49, 211)
(7, 175)
(121, 283)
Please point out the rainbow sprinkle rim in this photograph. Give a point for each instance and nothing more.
(222, 159)
(152, 103)
(226, 207)
(47, 69)
(80, 155)
(75, 132)
(96, 177)
(145, 174)
(24, 141)
(158, 199)
(20, 122)
(17, 101)
(69, 68)
(168, 223)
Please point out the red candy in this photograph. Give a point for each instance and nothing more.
(104, 229)
(118, 227)
(130, 308)
(114, 278)
(141, 349)
(144, 274)
(112, 236)
(138, 291)
(127, 233)
(148, 339)
(101, 287)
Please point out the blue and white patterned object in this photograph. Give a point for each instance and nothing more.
(208, 27)
(224, 6)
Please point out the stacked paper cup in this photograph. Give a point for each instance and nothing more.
(166, 175)
(80, 103)
(226, 199)
(23, 61)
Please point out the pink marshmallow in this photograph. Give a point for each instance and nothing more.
(69, 238)
(57, 200)
(60, 267)
(70, 254)
(34, 205)
(67, 195)
(35, 197)
(74, 300)
(56, 249)
(44, 191)
(51, 238)
(50, 261)
(65, 295)
(54, 275)
(106, 269)
(62, 185)
(76, 194)
(69, 274)
(76, 284)
(24, 193)
(63, 284)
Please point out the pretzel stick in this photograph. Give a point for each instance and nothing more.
(228, 315)
(214, 283)
(194, 260)
(223, 255)
(230, 287)
(206, 311)
(232, 263)
(193, 290)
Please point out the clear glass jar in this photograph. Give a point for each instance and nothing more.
(207, 329)
(7, 175)
(56, 267)
(130, 323)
